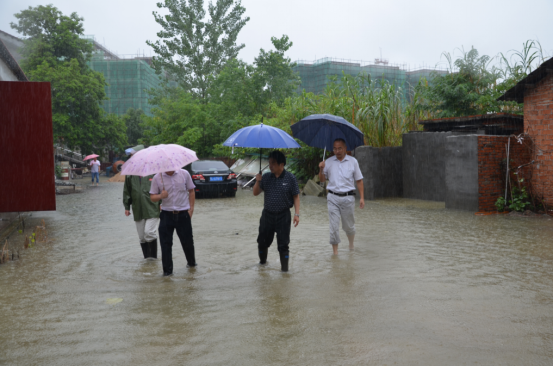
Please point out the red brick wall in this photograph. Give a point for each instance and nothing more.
(537, 109)
(491, 153)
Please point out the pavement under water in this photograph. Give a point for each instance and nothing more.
(424, 286)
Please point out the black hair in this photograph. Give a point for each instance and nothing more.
(340, 139)
(278, 157)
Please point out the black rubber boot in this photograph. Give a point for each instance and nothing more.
(145, 249)
(284, 262)
(153, 245)
(263, 255)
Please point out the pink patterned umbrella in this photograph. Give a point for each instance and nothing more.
(91, 157)
(158, 158)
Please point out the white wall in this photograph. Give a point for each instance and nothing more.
(6, 74)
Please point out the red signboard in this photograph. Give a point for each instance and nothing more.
(26, 147)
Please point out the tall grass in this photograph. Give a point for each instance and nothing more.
(382, 111)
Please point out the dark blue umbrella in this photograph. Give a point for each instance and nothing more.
(320, 131)
(261, 136)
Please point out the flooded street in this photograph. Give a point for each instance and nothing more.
(424, 286)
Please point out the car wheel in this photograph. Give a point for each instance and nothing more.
(231, 194)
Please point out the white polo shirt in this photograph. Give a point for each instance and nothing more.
(342, 175)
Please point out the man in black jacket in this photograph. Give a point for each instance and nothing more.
(281, 194)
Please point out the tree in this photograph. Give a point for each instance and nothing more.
(471, 87)
(56, 53)
(111, 133)
(274, 76)
(179, 118)
(53, 37)
(249, 89)
(193, 50)
(76, 112)
(133, 120)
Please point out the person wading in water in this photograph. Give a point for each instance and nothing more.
(343, 171)
(177, 194)
(281, 193)
(146, 213)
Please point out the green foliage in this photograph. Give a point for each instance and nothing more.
(274, 78)
(240, 96)
(473, 84)
(469, 88)
(56, 53)
(58, 171)
(500, 204)
(76, 112)
(111, 133)
(133, 120)
(193, 49)
(52, 37)
(519, 198)
(179, 118)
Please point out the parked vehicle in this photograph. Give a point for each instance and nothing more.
(213, 178)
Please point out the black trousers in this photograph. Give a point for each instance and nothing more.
(271, 223)
(182, 224)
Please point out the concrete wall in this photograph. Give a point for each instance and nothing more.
(382, 171)
(423, 165)
(461, 172)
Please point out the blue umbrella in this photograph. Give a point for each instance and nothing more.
(320, 131)
(261, 136)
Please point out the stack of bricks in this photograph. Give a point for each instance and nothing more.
(538, 124)
(491, 153)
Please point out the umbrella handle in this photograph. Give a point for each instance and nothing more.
(162, 177)
(324, 150)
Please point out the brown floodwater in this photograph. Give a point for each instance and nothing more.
(424, 286)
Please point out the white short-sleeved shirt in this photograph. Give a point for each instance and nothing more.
(177, 187)
(94, 166)
(342, 175)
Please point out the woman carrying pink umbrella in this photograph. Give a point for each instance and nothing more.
(94, 167)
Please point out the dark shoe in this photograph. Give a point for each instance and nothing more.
(263, 255)
(191, 266)
(145, 249)
(153, 245)
(284, 262)
(167, 274)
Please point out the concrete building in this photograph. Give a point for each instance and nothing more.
(535, 92)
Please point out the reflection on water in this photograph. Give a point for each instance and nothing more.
(423, 286)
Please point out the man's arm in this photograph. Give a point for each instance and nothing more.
(127, 200)
(321, 173)
(360, 184)
(296, 200)
(192, 199)
(257, 190)
(157, 197)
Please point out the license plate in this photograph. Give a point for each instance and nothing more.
(219, 178)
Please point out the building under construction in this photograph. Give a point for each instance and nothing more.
(128, 79)
(315, 75)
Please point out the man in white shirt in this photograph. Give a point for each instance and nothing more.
(176, 190)
(343, 172)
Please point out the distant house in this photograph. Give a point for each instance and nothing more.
(9, 68)
(535, 92)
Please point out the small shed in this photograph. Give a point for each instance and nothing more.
(535, 91)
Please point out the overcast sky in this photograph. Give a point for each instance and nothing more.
(408, 32)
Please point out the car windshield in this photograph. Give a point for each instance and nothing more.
(209, 166)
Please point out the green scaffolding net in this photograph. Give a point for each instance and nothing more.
(317, 74)
(128, 82)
